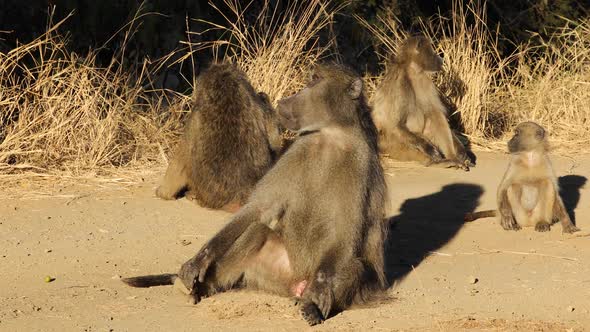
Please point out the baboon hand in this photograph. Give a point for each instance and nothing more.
(459, 165)
(193, 272)
(467, 162)
(318, 300)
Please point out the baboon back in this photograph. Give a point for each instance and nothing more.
(229, 147)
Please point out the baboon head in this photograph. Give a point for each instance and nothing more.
(325, 101)
(419, 50)
(528, 136)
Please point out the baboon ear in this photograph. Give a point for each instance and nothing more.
(356, 88)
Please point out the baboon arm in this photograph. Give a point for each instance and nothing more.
(225, 238)
(437, 130)
(505, 208)
(212, 252)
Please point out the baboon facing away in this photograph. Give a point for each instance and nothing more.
(408, 112)
(529, 192)
(229, 142)
(314, 226)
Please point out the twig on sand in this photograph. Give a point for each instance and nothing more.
(497, 251)
(579, 234)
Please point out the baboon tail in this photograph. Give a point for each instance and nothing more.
(480, 214)
(151, 280)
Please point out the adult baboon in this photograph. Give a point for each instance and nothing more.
(529, 193)
(229, 142)
(314, 226)
(408, 112)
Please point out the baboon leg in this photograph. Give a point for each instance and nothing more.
(270, 269)
(509, 205)
(257, 259)
(560, 214)
(521, 216)
(195, 270)
(177, 174)
(542, 214)
(233, 264)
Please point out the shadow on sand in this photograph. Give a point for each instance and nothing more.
(426, 224)
(569, 190)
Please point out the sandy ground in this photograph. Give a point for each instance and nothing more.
(526, 281)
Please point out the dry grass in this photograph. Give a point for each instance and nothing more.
(62, 115)
(278, 52)
(490, 93)
(551, 85)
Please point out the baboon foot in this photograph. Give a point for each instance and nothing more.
(570, 228)
(542, 226)
(319, 298)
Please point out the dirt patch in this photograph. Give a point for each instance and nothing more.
(526, 281)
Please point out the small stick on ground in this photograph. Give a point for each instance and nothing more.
(528, 254)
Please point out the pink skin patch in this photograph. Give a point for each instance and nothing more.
(298, 288)
(232, 207)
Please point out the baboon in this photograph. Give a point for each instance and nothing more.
(314, 225)
(529, 192)
(408, 112)
(230, 140)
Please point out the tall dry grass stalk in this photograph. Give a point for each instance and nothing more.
(492, 93)
(278, 52)
(551, 85)
(59, 112)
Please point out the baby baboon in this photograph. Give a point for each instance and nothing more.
(408, 112)
(229, 142)
(313, 227)
(529, 193)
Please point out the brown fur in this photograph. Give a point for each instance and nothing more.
(314, 227)
(529, 193)
(229, 143)
(408, 112)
